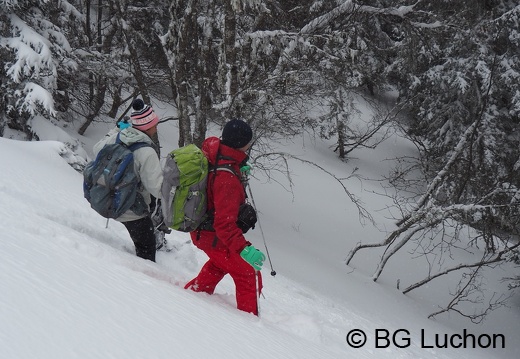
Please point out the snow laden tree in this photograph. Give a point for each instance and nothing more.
(460, 85)
(181, 43)
(34, 52)
(59, 61)
(207, 55)
(227, 61)
(121, 58)
(347, 46)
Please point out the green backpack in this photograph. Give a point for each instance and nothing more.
(184, 199)
(184, 188)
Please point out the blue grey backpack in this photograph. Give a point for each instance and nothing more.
(110, 183)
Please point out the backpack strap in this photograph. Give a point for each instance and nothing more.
(133, 146)
(207, 224)
(225, 167)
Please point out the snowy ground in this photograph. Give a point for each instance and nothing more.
(72, 288)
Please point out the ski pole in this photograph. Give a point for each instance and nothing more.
(273, 272)
(258, 291)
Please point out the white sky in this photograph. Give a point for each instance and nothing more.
(71, 288)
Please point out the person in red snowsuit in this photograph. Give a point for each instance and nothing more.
(228, 250)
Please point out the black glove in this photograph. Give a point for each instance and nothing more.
(246, 217)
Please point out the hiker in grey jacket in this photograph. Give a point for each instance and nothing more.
(147, 166)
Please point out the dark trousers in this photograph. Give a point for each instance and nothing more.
(141, 232)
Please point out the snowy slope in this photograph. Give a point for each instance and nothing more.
(72, 288)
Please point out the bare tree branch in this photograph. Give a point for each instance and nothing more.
(363, 213)
(483, 262)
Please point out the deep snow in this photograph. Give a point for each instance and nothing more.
(72, 288)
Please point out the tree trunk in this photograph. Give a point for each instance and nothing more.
(182, 95)
(342, 141)
(230, 56)
(117, 101)
(203, 82)
(185, 51)
(88, 32)
(137, 71)
(97, 104)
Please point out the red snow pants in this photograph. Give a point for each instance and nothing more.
(220, 263)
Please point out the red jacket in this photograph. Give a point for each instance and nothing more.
(225, 195)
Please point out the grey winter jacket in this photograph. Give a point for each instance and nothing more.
(146, 163)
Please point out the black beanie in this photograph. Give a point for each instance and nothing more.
(236, 134)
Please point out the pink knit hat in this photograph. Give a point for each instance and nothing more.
(143, 117)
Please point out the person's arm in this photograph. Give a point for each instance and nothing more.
(150, 170)
(227, 197)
